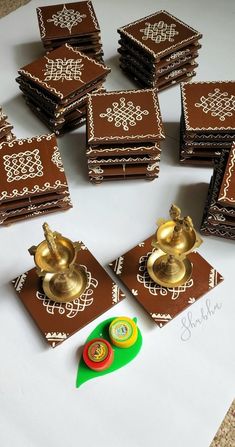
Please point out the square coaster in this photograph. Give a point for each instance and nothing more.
(161, 303)
(124, 116)
(58, 321)
(160, 33)
(31, 167)
(64, 71)
(66, 21)
(227, 190)
(209, 105)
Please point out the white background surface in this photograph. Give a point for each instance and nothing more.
(176, 392)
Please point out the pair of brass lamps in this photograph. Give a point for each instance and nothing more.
(64, 280)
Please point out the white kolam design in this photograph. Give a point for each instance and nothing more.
(67, 18)
(63, 69)
(23, 165)
(155, 289)
(71, 310)
(124, 114)
(118, 137)
(185, 90)
(159, 32)
(195, 34)
(56, 159)
(218, 104)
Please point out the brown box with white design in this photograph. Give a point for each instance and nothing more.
(207, 121)
(33, 181)
(159, 50)
(219, 213)
(124, 130)
(74, 23)
(56, 85)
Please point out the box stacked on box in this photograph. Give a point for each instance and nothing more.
(5, 128)
(159, 50)
(73, 23)
(124, 130)
(55, 87)
(207, 121)
(33, 181)
(219, 213)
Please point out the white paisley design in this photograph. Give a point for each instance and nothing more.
(63, 69)
(56, 159)
(70, 310)
(23, 165)
(67, 18)
(218, 104)
(154, 288)
(124, 114)
(159, 32)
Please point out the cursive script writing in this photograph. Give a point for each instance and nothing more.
(190, 322)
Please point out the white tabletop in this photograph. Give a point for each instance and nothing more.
(177, 391)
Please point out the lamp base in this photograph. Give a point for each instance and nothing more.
(168, 273)
(65, 287)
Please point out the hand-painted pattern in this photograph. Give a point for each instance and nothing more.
(63, 69)
(124, 114)
(159, 32)
(56, 159)
(70, 310)
(67, 18)
(218, 104)
(23, 165)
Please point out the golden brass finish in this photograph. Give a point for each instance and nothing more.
(168, 265)
(55, 258)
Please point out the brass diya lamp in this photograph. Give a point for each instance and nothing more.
(174, 239)
(63, 279)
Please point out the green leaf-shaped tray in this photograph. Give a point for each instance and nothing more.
(121, 356)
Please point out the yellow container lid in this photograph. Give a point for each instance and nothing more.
(123, 332)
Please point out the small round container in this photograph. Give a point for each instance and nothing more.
(98, 354)
(123, 332)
